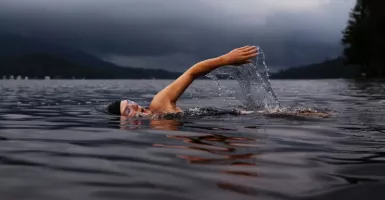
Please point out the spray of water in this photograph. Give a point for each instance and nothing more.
(254, 91)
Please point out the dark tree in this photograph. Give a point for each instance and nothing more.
(355, 37)
(377, 37)
(363, 38)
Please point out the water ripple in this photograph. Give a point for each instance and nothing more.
(54, 146)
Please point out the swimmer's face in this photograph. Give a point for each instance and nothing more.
(131, 109)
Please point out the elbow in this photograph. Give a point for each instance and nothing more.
(193, 73)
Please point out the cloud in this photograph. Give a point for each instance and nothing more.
(261, 9)
(171, 33)
(295, 5)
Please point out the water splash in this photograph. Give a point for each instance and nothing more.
(254, 91)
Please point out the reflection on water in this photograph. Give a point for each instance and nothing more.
(54, 146)
(222, 151)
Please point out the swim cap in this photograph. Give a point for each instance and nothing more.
(114, 108)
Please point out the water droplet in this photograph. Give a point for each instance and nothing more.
(253, 79)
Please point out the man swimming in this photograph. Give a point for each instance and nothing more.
(165, 101)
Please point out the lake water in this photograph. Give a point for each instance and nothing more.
(54, 145)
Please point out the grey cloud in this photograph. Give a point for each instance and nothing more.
(156, 30)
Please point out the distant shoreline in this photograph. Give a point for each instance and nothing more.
(329, 69)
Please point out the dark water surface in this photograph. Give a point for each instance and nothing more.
(54, 146)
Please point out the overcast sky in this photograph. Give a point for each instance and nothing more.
(173, 34)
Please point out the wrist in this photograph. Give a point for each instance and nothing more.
(223, 60)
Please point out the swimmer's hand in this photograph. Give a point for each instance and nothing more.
(240, 55)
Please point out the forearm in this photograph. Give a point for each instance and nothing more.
(206, 66)
(173, 91)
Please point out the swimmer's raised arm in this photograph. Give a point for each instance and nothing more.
(165, 100)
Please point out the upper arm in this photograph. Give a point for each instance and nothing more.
(166, 99)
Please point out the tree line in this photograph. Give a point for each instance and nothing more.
(364, 38)
(40, 65)
(328, 69)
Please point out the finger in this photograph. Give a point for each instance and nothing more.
(251, 49)
(250, 52)
(244, 47)
(252, 55)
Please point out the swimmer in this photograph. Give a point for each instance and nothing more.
(165, 101)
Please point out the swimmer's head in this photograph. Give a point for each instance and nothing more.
(127, 108)
(114, 108)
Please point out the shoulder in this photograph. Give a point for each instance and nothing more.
(163, 105)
